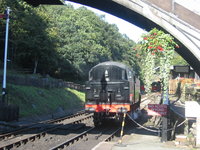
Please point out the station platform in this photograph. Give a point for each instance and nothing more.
(138, 139)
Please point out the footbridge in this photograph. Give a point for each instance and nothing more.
(176, 17)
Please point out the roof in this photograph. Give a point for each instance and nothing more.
(113, 63)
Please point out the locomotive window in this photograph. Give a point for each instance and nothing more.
(118, 74)
(124, 75)
(108, 73)
(98, 73)
(130, 75)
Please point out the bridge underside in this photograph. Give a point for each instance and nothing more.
(48, 2)
(131, 16)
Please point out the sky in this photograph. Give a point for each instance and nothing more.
(132, 31)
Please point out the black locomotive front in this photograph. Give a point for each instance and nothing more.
(110, 84)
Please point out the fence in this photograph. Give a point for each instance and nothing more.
(173, 86)
(189, 89)
(75, 86)
(43, 82)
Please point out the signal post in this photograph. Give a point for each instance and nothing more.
(7, 112)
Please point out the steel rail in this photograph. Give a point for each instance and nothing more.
(29, 127)
(18, 143)
(72, 140)
(80, 136)
(110, 137)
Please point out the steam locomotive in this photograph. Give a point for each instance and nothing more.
(112, 90)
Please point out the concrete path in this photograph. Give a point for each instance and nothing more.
(139, 139)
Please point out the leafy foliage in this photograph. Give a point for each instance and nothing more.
(178, 60)
(62, 41)
(157, 50)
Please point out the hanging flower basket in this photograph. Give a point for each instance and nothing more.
(156, 51)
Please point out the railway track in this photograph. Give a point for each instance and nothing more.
(36, 131)
(88, 139)
(71, 132)
(152, 98)
(68, 136)
(26, 128)
(72, 140)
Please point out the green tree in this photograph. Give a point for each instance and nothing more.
(85, 39)
(178, 60)
(29, 37)
(62, 41)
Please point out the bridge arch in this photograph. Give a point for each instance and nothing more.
(147, 15)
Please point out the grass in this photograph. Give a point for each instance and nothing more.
(38, 101)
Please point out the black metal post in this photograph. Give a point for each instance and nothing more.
(165, 100)
(164, 135)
